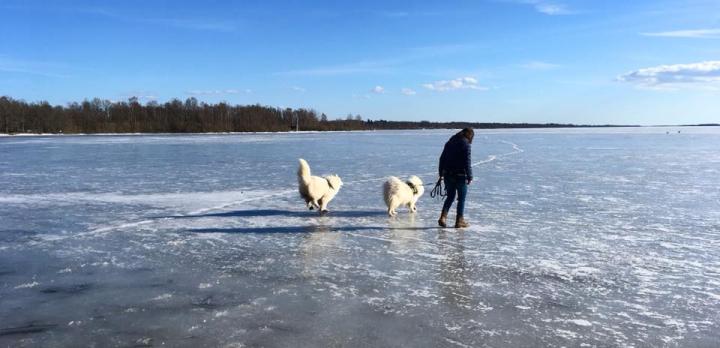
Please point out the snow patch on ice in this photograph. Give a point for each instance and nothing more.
(457, 343)
(580, 322)
(27, 285)
(162, 297)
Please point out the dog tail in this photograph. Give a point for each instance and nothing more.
(303, 171)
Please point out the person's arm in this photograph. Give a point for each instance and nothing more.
(468, 163)
(441, 164)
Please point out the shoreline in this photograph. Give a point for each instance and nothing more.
(353, 131)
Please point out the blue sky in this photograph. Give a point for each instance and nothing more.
(603, 61)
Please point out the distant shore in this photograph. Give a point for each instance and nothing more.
(191, 116)
(538, 127)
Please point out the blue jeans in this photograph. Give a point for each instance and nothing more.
(455, 184)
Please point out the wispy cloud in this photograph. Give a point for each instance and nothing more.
(194, 24)
(694, 33)
(415, 13)
(361, 96)
(378, 90)
(408, 91)
(361, 67)
(298, 89)
(458, 83)
(431, 51)
(394, 14)
(382, 66)
(538, 65)
(703, 74)
(198, 92)
(201, 24)
(551, 8)
(31, 67)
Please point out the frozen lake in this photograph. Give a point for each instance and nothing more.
(604, 237)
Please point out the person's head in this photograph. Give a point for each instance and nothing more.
(468, 134)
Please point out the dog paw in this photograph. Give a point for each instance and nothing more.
(311, 208)
(324, 212)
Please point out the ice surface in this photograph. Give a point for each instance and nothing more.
(601, 237)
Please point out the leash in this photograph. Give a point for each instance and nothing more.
(438, 190)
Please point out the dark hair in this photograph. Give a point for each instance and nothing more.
(468, 133)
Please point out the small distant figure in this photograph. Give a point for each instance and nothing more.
(668, 132)
(678, 132)
(316, 191)
(397, 193)
(456, 172)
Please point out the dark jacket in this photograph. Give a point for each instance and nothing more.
(455, 158)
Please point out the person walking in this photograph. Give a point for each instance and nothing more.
(455, 170)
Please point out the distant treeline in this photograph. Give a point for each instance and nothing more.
(382, 124)
(192, 116)
(175, 116)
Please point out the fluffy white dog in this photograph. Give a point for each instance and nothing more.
(316, 191)
(398, 193)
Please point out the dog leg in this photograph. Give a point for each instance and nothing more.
(391, 208)
(323, 207)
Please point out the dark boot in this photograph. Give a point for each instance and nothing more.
(460, 222)
(443, 219)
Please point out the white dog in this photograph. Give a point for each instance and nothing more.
(398, 193)
(316, 191)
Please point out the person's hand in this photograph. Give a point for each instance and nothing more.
(469, 181)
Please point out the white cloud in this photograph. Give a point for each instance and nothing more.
(695, 33)
(458, 83)
(703, 74)
(408, 91)
(538, 65)
(298, 89)
(378, 90)
(550, 8)
(198, 92)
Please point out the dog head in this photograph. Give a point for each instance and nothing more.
(334, 182)
(418, 184)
